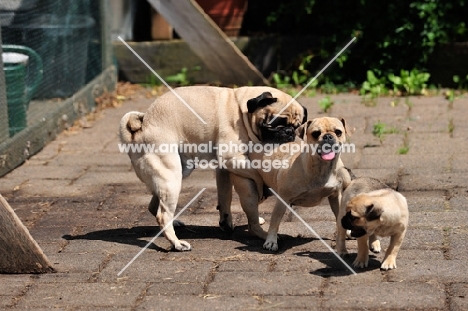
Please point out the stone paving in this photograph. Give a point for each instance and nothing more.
(86, 208)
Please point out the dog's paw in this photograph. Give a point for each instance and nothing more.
(388, 264)
(226, 226)
(361, 262)
(271, 246)
(225, 222)
(342, 252)
(261, 221)
(375, 246)
(182, 246)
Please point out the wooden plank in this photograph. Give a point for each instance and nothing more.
(19, 252)
(209, 42)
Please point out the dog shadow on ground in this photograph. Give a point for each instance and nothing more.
(335, 267)
(140, 235)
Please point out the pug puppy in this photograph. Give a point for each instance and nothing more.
(311, 174)
(369, 208)
(232, 117)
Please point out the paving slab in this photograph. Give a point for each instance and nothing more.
(84, 205)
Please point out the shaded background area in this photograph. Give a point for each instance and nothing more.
(426, 35)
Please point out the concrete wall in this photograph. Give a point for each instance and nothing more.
(169, 57)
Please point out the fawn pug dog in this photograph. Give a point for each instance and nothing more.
(232, 117)
(369, 208)
(308, 177)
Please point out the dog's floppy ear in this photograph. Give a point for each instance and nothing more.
(301, 131)
(305, 114)
(373, 212)
(347, 130)
(260, 101)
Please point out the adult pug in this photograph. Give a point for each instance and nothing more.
(233, 117)
(314, 173)
(369, 209)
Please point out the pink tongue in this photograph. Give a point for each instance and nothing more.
(328, 156)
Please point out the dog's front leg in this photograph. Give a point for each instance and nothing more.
(224, 188)
(374, 243)
(248, 197)
(241, 166)
(362, 259)
(340, 231)
(341, 239)
(389, 261)
(335, 204)
(271, 242)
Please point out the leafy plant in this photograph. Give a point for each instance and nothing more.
(281, 81)
(152, 80)
(393, 41)
(380, 130)
(326, 104)
(450, 95)
(405, 149)
(181, 78)
(410, 82)
(462, 83)
(451, 127)
(373, 87)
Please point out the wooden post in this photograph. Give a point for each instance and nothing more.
(209, 42)
(19, 253)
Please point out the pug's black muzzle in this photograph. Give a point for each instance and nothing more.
(347, 223)
(279, 134)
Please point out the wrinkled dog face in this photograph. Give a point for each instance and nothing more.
(328, 133)
(265, 108)
(362, 215)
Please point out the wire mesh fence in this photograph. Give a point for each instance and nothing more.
(51, 50)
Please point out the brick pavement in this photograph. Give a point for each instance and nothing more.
(87, 210)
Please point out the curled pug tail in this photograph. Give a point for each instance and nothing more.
(130, 126)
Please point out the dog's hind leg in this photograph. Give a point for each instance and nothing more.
(248, 197)
(164, 175)
(153, 209)
(224, 188)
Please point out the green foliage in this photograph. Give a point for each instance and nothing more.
(373, 86)
(409, 82)
(462, 83)
(403, 150)
(380, 130)
(182, 77)
(451, 127)
(281, 81)
(325, 104)
(392, 35)
(152, 80)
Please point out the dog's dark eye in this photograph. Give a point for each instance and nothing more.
(316, 134)
(338, 133)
